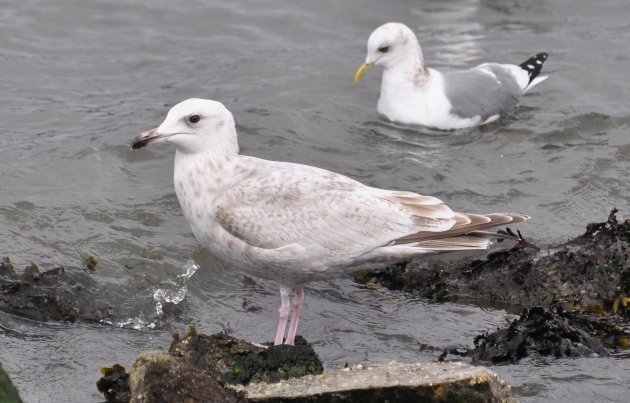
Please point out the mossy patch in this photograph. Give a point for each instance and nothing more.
(8, 392)
(238, 362)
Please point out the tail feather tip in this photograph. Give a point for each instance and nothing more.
(534, 64)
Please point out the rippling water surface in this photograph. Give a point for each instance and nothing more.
(81, 78)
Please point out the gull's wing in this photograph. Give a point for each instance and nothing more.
(486, 90)
(276, 204)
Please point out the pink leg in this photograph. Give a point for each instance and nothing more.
(285, 307)
(298, 301)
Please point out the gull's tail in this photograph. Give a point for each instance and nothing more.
(532, 66)
(469, 232)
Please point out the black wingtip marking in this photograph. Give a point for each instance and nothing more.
(534, 64)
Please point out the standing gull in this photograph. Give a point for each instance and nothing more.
(412, 93)
(294, 223)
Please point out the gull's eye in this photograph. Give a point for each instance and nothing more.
(383, 49)
(194, 119)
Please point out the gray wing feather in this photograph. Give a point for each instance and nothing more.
(476, 93)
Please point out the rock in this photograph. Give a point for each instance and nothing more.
(60, 293)
(160, 378)
(582, 285)
(589, 273)
(5, 265)
(114, 384)
(8, 392)
(36, 295)
(199, 365)
(394, 382)
(538, 332)
(236, 361)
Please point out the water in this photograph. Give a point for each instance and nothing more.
(81, 78)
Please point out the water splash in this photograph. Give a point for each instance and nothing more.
(137, 323)
(173, 291)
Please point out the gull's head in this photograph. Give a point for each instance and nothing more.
(390, 44)
(194, 125)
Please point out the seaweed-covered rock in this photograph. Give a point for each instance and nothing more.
(114, 384)
(160, 378)
(582, 287)
(538, 332)
(59, 293)
(37, 295)
(590, 272)
(238, 362)
(5, 265)
(8, 392)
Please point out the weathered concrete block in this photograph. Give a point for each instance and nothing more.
(393, 382)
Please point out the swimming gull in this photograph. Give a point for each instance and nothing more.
(412, 93)
(295, 223)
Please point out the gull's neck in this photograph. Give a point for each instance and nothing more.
(199, 179)
(405, 73)
(215, 160)
(207, 171)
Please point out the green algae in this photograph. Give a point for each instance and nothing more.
(8, 392)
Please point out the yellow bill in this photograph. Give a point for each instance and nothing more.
(361, 72)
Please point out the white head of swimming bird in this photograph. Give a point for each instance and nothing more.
(412, 93)
(295, 223)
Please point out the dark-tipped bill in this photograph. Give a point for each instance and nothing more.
(148, 137)
(365, 67)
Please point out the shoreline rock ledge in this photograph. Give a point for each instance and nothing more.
(394, 382)
(220, 368)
